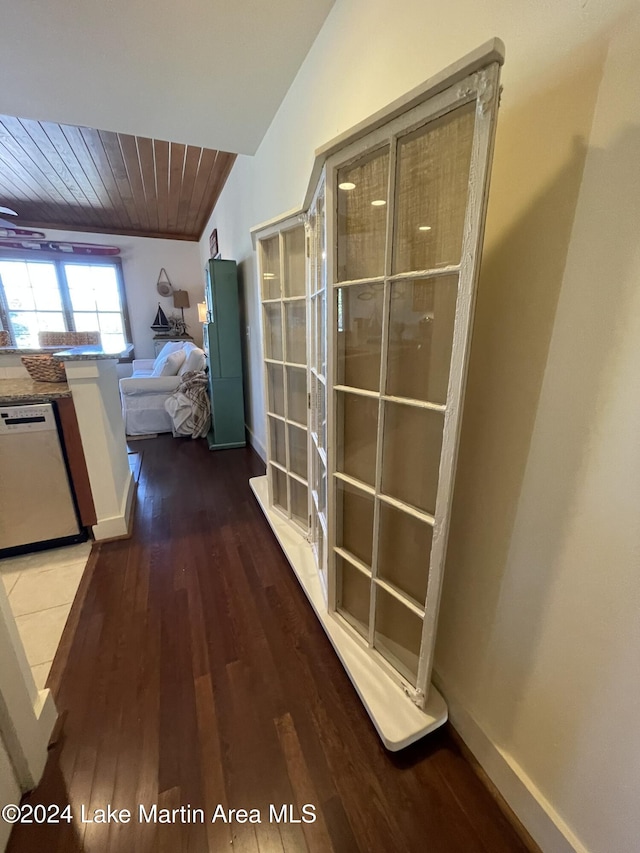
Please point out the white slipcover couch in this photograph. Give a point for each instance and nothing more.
(143, 394)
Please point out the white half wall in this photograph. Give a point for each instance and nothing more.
(538, 642)
(142, 259)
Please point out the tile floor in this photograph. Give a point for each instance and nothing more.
(41, 588)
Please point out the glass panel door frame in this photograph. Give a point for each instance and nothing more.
(276, 468)
(481, 89)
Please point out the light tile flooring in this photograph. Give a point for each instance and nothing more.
(41, 588)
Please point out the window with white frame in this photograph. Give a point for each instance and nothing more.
(61, 295)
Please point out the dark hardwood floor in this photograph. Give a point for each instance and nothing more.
(194, 673)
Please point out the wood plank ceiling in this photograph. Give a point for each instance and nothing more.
(80, 179)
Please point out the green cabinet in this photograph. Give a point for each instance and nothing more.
(224, 354)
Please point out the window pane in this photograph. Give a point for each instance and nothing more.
(298, 451)
(355, 521)
(360, 335)
(299, 503)
(357, 436)
(295, 314)
(275, 389)
(279, 482)
(404, 551)
(297, 394)
(411, 454)
(432, 185)
(421, 324)
(86, 322)
(278, 448)
(352, 590)
(93, 286)
(294, 262)
(271, 268)
(362, 216)
(273, 331)
(45, 287)
(398, 634)
(110, 324)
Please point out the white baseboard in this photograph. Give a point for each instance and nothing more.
(257, 445)
(117, 525)
(530, 806)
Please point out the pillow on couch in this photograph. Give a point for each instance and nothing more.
(194, 359)
(167, 349)
(168, 365)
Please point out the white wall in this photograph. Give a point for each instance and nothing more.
(538, 640)
(142, 259)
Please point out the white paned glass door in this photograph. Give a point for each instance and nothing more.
(408, 204)
(318, 382)
(282, 269)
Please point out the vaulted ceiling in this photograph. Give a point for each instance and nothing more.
(206, 75)
(77, 178)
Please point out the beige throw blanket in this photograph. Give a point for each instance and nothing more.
(189, 408)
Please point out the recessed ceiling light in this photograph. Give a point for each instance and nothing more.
(269, 275)
(346, 185)
(379, 202)
(424, 228)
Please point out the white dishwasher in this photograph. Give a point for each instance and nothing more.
(37, 505)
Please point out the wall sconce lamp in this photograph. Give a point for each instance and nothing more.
(202, 312)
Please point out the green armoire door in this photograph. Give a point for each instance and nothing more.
(225, 357)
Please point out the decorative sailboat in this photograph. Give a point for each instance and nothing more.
(160, 323)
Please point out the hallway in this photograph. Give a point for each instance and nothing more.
(197, 675)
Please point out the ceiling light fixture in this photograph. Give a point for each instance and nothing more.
(424, 228)
(346, 185)
(269, 275)
(379, 202)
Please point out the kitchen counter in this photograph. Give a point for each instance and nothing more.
(91, 353)
(28, 390)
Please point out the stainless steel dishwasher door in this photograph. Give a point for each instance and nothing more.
(36, 502)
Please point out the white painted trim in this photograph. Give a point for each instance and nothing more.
(530, 806)
(117, 525)
(27, 716)
(397, 720)
(257, 445)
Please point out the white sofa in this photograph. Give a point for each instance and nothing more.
(143, 394)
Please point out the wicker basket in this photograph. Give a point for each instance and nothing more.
(44, 368)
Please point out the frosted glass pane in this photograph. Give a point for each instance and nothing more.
(404, 551)
(297, 394)
(359, 311)
(294, 262)
(362, 216)
(357, 432)
(421, 324)
(352, 595)
(275, 389)
(354, 521)
(432, 186)
(270, 268)
(299, 503)
(298, 451)
(279, 485)
(398, 634)
(411, 454)
(278, 446)
(273, 331)
(295, 317)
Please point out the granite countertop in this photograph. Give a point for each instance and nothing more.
(91, 353)
(28, 390)
(81, 353)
